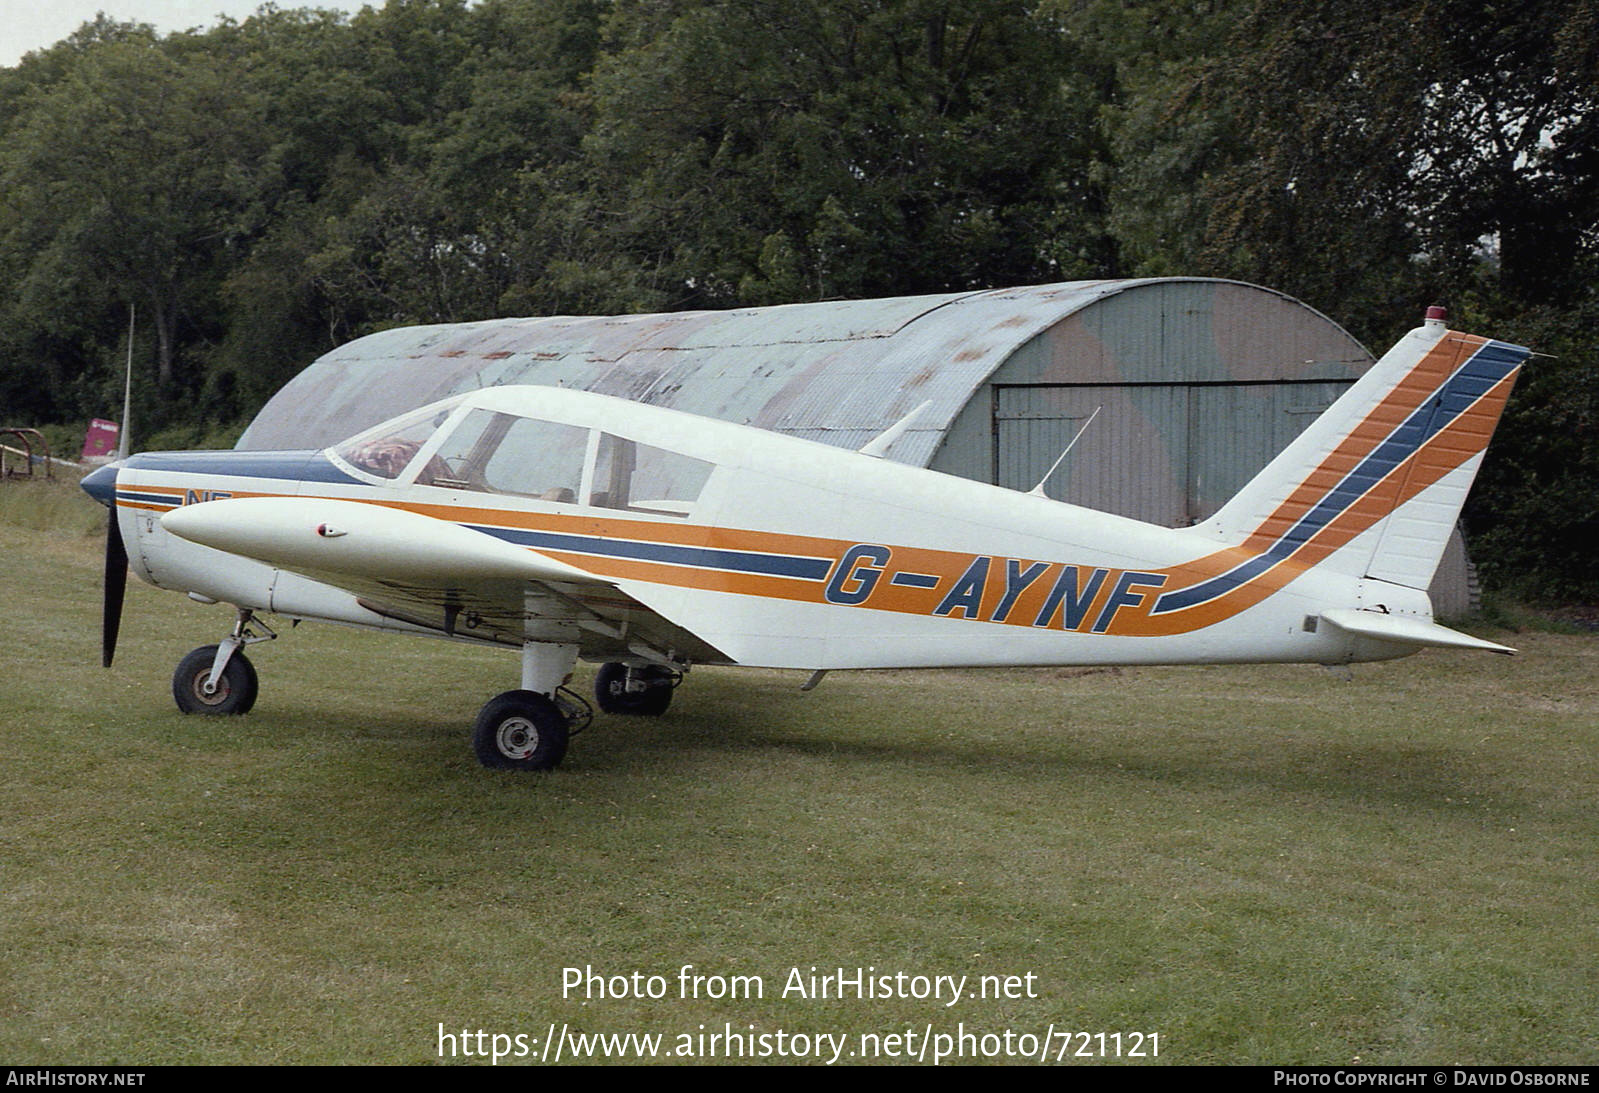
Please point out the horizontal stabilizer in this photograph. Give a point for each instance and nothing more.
(1406, 630)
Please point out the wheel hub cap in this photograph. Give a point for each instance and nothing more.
(517, 737)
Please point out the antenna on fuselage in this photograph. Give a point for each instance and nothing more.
(1038, 490)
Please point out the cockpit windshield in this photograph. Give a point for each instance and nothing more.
(389, 448)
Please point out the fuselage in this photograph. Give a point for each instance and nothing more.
(766, 550)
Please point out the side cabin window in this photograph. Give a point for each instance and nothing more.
(494, 452)
(641, 478)
(502, 453)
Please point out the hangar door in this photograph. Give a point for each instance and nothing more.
(1166, 453)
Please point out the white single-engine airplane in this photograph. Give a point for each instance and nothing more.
(569, 524)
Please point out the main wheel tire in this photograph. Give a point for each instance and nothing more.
(236, 690)
(520, 730)
(610, 691)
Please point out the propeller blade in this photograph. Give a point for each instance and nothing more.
(116, 584)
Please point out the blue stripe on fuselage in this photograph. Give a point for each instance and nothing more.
(738, 561)
(136, 497)
(293, 466)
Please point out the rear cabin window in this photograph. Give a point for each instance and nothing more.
(641, 478)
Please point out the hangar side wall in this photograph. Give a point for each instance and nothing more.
(1199, 383)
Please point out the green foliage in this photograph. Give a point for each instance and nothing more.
(750, 152)
(1361, 155)
(265, 190)
(190, 436)
(1372, 158)
(126, 180)
(1534, 513)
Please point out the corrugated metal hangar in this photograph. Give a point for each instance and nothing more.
(1198, 382)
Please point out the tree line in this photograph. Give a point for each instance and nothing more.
(260, 191)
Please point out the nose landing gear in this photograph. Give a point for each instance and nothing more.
(219, 679)
(233, 692)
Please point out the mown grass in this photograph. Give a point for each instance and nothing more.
(1260, 864)
(55, 505)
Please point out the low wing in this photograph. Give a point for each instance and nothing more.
(439, 575)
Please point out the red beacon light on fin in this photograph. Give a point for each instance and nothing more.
(1436, 314)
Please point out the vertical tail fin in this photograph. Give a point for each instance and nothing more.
(1375, 485)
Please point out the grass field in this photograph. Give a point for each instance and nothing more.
(1264, 865)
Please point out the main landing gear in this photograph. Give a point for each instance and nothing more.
(642, 692)
(525, 729)
(528, 729)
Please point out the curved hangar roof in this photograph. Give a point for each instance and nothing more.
(838, 372)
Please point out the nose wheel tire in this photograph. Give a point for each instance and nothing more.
(520, 730)
(235, 691)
